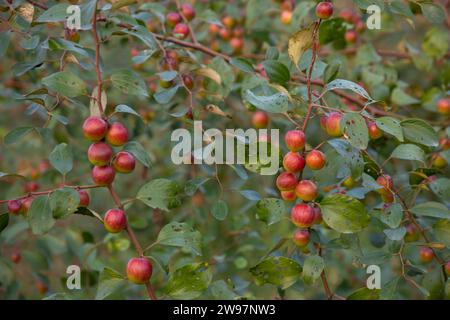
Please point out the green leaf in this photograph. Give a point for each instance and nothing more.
(367, 55)
(16, 134)
(64, 202)
(250, 195)
(242, 64)
(129, 82)
(276, 71)
(431, 209)
(123, 108)
(364, 294)
(165, 95)
(167, 75)
(409, 152)
(160, 194)
(391, 126)
(388, 290)
(395, 234)
(142, 34)
(220, 210)
(344, 214)
(65, 83)
(279, 271)
(4, 220)
(270, 210)
(189, 282)
(392, 216)
(418, 131)
(401, 98)
(56, 13)
(441, 187)
(40, 215)
(433, 12)
(192, 186)
(355, 128)
(179, 234)
(442, 231)
(399, 7)
(110, 281)
(312, 269)
(5, 38)
(221, 291)
(436, 43)
(138, 151)
(332, 30)
(276, 103)
(348, 85)
(61, 158)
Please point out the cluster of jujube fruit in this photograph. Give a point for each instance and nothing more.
(292, 186)
(106, 164)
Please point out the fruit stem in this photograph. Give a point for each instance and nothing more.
(97, 60)
(133, 239)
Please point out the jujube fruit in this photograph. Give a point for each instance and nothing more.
(139, 270)
(115, 220)
(302, 215)
(315, 160)
(324, 10)
(260, 119)
(14, 206)
(124, 162)
(295, 140)
(117, 134)
(95, 128)
(301, 237)
(181, 30)
(306, 190)
(426, 254)
(333, 124)
(286, 181)
(288, 195)
(103, 176)
(99, 153)
(84, 198)
(293, 162)
(188, 11)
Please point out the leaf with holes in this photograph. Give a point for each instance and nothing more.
(409, 152)
(419, 131)
(348, 85)
(189, 281)
(160, 194)
(179, 234)
(391, 126)
(312, 269)
(270, 210)
(431, 209)
(355, 128)
(275, 103)
(65, 83)
(129, 82)
(344, 214)
(279, 271)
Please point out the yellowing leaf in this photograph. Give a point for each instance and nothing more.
(210, 73)
(299, 43)
(93, 106)
(26, 11)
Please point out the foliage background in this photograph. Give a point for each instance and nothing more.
(406, 77)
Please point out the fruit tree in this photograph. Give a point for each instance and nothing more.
(350, 101)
